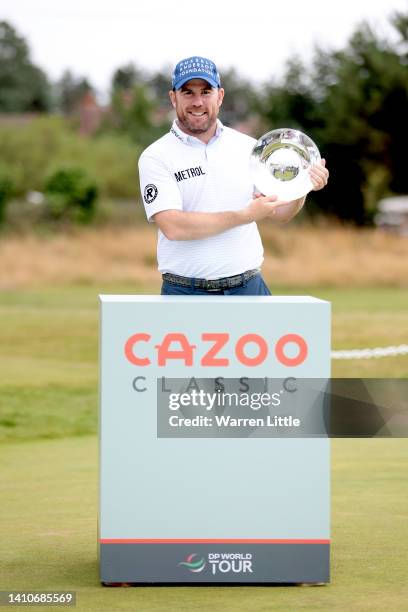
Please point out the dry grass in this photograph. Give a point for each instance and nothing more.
(334, 256)
(85, 255)
(295, 255)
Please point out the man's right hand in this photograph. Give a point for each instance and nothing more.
(260, 207)
(280, 211)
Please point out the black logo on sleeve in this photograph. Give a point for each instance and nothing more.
(150, 193)
(182, 175)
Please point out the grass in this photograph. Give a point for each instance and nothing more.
(48, 534)
(49, 350)
(48, 395)
(366, 317)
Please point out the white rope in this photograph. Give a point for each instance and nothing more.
(375, 353)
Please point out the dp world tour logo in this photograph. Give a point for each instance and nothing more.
(193, 564)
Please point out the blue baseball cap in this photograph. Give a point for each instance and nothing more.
(195, 68)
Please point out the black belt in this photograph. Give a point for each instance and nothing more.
(211, 285)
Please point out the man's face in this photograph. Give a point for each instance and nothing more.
(197, 106)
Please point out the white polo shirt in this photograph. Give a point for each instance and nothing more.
(181, 172)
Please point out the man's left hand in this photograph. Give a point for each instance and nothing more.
(319, 175)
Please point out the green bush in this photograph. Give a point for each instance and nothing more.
(37, 149)
(71, 195)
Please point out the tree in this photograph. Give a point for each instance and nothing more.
(126, 77)
(365, 128)
(23, 86)
(240, 97)
(133, 114)
(353, 104)
(136, 104)
(291, 103)
(70, 91)
(160, 84)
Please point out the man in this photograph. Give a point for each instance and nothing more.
(196, 186)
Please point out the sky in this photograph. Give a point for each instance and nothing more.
(93, 38)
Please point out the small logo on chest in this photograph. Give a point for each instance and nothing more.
(182, 175)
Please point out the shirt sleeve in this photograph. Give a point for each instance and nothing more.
(158, 186)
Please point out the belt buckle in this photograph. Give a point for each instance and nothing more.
(211, 287)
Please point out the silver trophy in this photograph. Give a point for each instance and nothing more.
(280, 161)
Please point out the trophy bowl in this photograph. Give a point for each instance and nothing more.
(280, 161)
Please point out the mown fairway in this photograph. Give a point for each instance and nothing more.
(48, 534)
(49, 351)
(48, 386)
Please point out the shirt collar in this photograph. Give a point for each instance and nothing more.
(187, 139)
